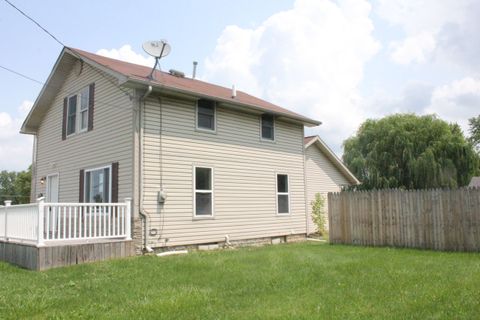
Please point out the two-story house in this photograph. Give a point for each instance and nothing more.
(202, 163)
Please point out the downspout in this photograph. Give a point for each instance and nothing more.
(305, 182)
(33, 183)
(143, 213)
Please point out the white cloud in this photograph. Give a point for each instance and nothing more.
(457, 101)
(413, 49)
(309, 59)
(126, 53)
(25, 107)
(434, 30)
(15, 148)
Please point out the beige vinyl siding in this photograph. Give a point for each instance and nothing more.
(244, 175)
(111, 139)
(322, 177)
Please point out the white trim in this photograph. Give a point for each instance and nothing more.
(333, 157)
(58, 185)
(282, 193)
(109, 182)
(79, 104)
(212, 192)
(197, 128)
(274, 130)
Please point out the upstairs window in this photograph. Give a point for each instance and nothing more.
(206, 115)
(283, 195)
(78, 110)
(203, 192)
(268, 127)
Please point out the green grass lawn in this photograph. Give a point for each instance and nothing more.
(292, 281)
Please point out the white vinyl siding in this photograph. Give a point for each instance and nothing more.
(244, 175)
(322, 177)
(111, 141)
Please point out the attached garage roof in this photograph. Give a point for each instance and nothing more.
(319, 143)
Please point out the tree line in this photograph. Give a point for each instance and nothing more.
(15, 186)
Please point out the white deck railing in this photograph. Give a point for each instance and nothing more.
(43, 223)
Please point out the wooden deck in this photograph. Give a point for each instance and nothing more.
(61, 254)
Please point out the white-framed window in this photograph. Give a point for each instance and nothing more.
(283, 194)
(83, 112)
(206, 115)
(267, 129)
(203, 191)
(98, 185)
(77, 112)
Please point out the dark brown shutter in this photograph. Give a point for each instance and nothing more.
(115, 182)
(64, 121)
(91, 101)
(82, 186)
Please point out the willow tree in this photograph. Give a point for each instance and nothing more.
(411, 152)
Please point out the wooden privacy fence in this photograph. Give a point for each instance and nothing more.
(429, 219)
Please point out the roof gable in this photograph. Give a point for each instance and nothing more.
(322, 146)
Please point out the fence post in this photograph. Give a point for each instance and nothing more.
(8, 203)
(128, 218)
(41, 212)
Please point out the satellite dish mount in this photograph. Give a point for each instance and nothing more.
(158, 50)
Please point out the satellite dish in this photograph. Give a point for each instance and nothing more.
(158, 50)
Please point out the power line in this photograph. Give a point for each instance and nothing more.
(21, 75)
(101, 101)
(38, 24)
(62, 44)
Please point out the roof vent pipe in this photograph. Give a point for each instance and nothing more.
(194, 73)
(234, 92)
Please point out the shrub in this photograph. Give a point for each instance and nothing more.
(318, 213)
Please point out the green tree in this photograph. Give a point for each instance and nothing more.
(411, 152)
(15, 186)
(475, 132)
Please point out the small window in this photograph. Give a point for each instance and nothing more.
(97, 185)
(283, 196)
(203, 192)
(72, 114)
(84, 95)
(268, 127)
(206, 114)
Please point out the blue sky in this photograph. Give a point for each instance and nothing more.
(340, 62)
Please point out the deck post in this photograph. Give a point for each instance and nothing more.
(41, 212)
(8, 203)
(128, 218)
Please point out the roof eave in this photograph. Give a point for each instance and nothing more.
(339, 164)
(305, 121)
(25, 128)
